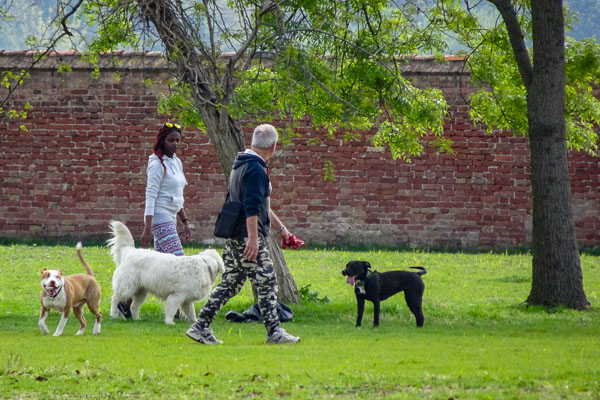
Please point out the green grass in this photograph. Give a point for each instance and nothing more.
(478, 342)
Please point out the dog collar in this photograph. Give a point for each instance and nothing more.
(57, 293)
(369, 274)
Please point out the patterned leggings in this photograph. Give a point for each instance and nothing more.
(166, 239)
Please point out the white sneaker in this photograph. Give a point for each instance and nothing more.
(202, 335)
(280, 336)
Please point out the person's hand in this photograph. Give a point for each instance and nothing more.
(188, 232)
(285, 234)
(292, 242)
(146, 237)
(251, 250)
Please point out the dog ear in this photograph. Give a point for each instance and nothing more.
(367, 264)
(44, 271)
(60, 273)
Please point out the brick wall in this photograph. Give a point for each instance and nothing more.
(83, 163)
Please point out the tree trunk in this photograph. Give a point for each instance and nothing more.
(557, 277)
(224, 133)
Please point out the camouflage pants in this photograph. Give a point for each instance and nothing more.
(237, 270)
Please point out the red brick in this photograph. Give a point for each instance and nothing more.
(84, 160)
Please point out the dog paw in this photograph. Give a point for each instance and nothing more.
(43, 328)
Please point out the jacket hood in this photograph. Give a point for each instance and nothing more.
(244, 158)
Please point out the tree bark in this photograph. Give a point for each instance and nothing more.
(223, 131)
(556, 277)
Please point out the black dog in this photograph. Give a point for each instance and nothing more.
(376, 287)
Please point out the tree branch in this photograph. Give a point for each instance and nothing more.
(517, 40)
(63, 21)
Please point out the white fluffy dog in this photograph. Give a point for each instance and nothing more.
(178, 280)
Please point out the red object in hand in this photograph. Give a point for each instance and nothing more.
(292, 243)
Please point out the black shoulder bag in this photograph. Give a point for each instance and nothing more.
(231, 220)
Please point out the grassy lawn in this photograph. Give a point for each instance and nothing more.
(478, 341)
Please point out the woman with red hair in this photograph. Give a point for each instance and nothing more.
(164, 198)
(164, 193)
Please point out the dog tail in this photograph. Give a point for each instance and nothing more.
(121, 238)
(88, 270)
(422, 271)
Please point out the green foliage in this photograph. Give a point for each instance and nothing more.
(64, 68)
(114, 30)
(478, 342)
(329, 171)
(178, 103)
(12, 81)
(311, 297)
(583, 108)
(337, 62)
(501, 103)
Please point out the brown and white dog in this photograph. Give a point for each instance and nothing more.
(64, 293)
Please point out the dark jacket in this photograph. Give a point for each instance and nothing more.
(249, 184)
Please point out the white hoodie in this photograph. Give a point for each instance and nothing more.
(164, 192)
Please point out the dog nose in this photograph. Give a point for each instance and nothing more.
(52, 283)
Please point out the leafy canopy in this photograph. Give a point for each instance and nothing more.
(337, 62)
(501, 101)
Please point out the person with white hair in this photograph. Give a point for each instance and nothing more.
(246, 255)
